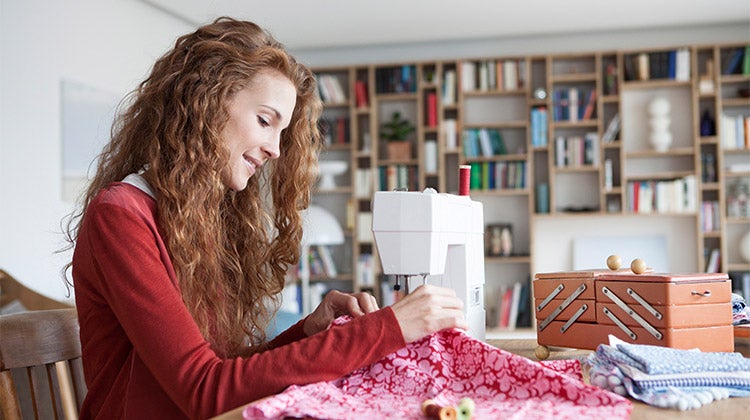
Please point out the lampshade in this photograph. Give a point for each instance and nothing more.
(321, 227)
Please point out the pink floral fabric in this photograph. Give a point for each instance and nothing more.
(445, 367)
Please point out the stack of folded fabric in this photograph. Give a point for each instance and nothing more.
(669, 378)
(740, 311)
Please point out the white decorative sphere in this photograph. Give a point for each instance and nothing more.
(659, 106)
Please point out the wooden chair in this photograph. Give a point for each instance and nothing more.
(14, 291)
(41, 375)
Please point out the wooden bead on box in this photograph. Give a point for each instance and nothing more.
(580, 309)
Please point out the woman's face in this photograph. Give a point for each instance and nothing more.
(257, 116)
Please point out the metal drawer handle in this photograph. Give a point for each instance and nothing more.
(707, 293)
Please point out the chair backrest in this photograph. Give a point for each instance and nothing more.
(13, 291)
(41, 375)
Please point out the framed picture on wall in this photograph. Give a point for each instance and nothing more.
(498, 240)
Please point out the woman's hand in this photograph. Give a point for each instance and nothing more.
(429, 309)
(335, 304)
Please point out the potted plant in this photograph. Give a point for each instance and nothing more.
(396, 132)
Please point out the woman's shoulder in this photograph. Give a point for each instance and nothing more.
(121, 194)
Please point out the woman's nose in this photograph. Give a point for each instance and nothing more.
(271, 148)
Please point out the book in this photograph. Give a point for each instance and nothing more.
(510, 74)
(328, 265)
(572, 104)
(430, 156)
(364, 227)
(590, 105)
(450, 135)
(643, 71)
(682, 65)
(613, 128)
(523, 320)
(449, 87)
(468, 76)
(713, 264)
(514, 302)
(542, 198)
(734, 65)
(432, 112)
(360, 94)
(365, 272)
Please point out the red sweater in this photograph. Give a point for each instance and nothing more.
(143, 355)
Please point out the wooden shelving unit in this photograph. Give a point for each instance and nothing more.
(593, 178)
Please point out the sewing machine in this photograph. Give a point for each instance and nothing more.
(434, 238)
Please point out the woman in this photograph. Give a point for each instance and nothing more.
(188, 227)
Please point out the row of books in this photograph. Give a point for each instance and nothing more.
(539, 126)
(321, 262)
(335, 130)
(573, 104)
(735, 132)
(713, 260)
(399, 79)
(498, 175)
(330, 89)
(738, 62)
(391, 177)
(485, 142)
(577, 150)
(672, 65)
(710, 216)
(492, 75)
(513, 307)
(667, 196)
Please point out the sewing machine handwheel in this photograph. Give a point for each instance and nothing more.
(541, 352)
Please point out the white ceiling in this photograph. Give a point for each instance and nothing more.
(334, 23)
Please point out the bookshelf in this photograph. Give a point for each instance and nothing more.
(572, 133)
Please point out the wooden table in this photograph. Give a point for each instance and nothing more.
(732, 408)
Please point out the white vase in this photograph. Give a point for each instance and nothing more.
(745, 246)
(660, 137)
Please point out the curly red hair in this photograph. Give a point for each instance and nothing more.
(230, 250)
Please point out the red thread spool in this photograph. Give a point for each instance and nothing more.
(464, 179)
(435, 411)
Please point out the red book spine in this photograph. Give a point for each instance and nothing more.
(360, 90)
(432, 110)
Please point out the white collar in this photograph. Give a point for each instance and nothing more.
(139, 182)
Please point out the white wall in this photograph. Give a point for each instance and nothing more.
(110, 45)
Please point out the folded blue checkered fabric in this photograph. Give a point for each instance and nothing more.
(669, 378)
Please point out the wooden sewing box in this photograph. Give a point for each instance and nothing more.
(580, 309)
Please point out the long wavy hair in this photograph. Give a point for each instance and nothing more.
(230, 250)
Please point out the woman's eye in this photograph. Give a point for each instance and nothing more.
(263, 122)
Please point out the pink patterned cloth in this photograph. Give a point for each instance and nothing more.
(447, 366)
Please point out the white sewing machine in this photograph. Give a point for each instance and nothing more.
(437, 238)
